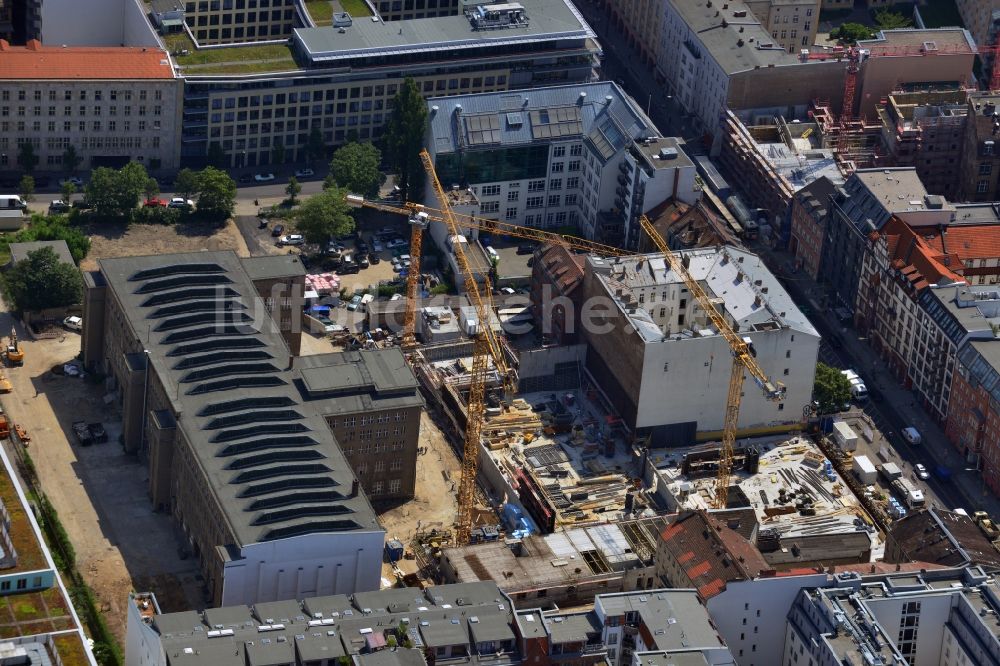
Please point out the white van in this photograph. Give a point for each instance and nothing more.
(911, 435)
(12, 201)
(858, 389)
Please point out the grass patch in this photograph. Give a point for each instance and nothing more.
(70, 649)
(231, 59)
(941, 14)
(321, 11)
(355, 7)
(25, 610)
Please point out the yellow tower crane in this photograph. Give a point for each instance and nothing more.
(743, 361)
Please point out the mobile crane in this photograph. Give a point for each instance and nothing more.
(743, 362)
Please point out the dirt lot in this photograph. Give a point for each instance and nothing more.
(108, 240)
(438, 472)
(99, 492)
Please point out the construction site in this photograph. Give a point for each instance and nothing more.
(803, 509)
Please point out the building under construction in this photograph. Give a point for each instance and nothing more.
(804, 513)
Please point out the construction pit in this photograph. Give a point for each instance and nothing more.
(798, 510)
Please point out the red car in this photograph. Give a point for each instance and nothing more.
(155, 203)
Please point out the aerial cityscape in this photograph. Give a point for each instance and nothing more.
(530, 333)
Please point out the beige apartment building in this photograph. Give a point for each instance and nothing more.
(792, 23)
(978, 17)
(641, 21)
(112, 105)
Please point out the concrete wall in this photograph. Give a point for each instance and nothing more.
(538, 366)
(747, 612)
(305, 566)
(688, 380)
(880, 76)
(935, 611)
(96, 23)
(789, 86)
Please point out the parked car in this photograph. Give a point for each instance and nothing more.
(277, 230)
(921, 471)
(246, 178)
(305, 173)
(363, 261)
(73, 323)
(911, 435)
(263, 177)
(82, 204)
(78, 182)
(355, 303)
(348, 266)
(97, 432)
(155, 203)
(395, 242)
(377, 246)
(82, 433)
(291, 239)
(375, 259)
(262, 223)
(526, 248)
(181, 202)
(58, 206)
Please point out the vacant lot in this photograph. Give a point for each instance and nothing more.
(136, 240)
(98, 491)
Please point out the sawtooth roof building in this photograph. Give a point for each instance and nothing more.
(209, 396)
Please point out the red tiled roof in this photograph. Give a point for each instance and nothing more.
(915, 256)
(710, 553)
(35, 61)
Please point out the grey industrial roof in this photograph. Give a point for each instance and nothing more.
(547, 20)
(530, 624)
(19, 251)
(719, 30)
(271, 460)
(652, 153)
(273, 266)
(572, 628)
(356, 381)
(161, 6)
(681, 658)
(675, 618)
(522, 117)
(201, 639)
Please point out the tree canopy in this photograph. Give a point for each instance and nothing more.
(27, 158)
(42, 281)
(216, 193)
(355, 167)
(26, 188)
(404, 138)
(70, 159)
(831, 389)
(53, 227)
(323, 216)
(116, 193)
(186, 183)
(850, 33)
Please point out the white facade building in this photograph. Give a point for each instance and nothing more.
(578, 155)
(663, 364)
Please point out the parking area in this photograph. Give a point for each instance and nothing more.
(98, 491)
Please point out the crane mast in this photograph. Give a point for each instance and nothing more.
(743, 363)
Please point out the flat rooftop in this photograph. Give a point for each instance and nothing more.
(600, 112)
(676, 619)
(785, 465)
(743, 287)
(546, 20)
(897, 189)
(88, 63)
(226, 370)
(358, 381)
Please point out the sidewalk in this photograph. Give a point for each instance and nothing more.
(965, 487)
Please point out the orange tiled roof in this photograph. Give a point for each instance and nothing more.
(35, 61)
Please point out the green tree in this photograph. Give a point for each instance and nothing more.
(26, 188)
(355, 167)
(278, 152)
(404, 138)
(70, 159)
(67, 190)
(292, 190)
(186, 183)
(889, 20)
(329, 181)
(26, 157)
(323, 216)
(216, 155)
(43, 228)
(850, 33)
(151, 189)
(217, 194)
(315, 148)
(831, 389)
(42, 280)
(116, 193)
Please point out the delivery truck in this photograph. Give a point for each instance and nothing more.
(910, 495)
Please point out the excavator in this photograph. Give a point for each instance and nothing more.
(15, 355)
